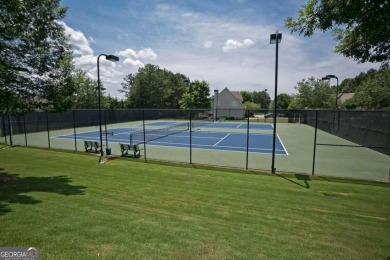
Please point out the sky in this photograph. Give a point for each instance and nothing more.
(224, 42)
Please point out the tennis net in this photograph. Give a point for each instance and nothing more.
(137, 137)
(200, 123)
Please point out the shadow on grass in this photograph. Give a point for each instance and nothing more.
(300, 177)
(355, 181)
(14, 189)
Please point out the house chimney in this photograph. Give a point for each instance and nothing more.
(215, 105)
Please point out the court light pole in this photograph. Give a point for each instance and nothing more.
(275, 38)
(328, 77)
(265, 100)
(113, 59)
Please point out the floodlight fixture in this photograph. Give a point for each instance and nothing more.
(112, 58)
(275, 36)
(328, 77)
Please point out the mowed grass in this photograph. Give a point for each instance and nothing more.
(70, 207)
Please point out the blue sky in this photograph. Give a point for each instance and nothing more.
(224, 42)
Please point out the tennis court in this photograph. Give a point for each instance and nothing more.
(174, 134)
(301, 146)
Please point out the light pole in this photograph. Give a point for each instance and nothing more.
(328, 77)
(216, 93)
(265, 100)
(190, 90)
(275, 39)
(110, 58)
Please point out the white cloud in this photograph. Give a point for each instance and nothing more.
(147, 54)
(111, 73)
(135, 58)
(234, 44)
(85, 60)
(126, 53)
(185, 40)
(208, 44)
(81, 45)
(135, 63)
(247, 43)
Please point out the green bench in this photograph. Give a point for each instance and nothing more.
(130, 150)
(92, 146)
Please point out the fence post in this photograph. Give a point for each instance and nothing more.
(143, 124)
(74, 130)
(190, 136)
(4, 129)
(247, 140)
(48, 130)
(10, 130)
(105, 129)
(315, 144)
(25, 131)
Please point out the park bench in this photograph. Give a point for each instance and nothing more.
(92, 146)
(130, 150)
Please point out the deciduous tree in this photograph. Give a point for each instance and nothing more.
(152, 87)
(35, 58)
(85, 96)
(246, 96)
(284, 101)
(197, 95)
(313, 93)
(262, 98)
(373, 91)
(362, 28)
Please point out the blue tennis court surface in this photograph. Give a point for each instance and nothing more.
(220, 125)
(204, 139)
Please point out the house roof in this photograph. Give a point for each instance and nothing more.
(345, 96)
(237, 95)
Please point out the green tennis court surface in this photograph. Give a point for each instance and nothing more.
(297, 140)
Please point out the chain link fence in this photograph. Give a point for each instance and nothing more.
(351, 144)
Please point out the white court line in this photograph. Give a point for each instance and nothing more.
(122, 133)
(208, 145)
(196, 137)
(280, 140)
(239, 126)
(221, 139)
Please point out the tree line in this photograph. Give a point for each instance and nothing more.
(153, 87)
(150, 87)
(370, 90)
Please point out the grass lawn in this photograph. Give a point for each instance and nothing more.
(70, 207)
